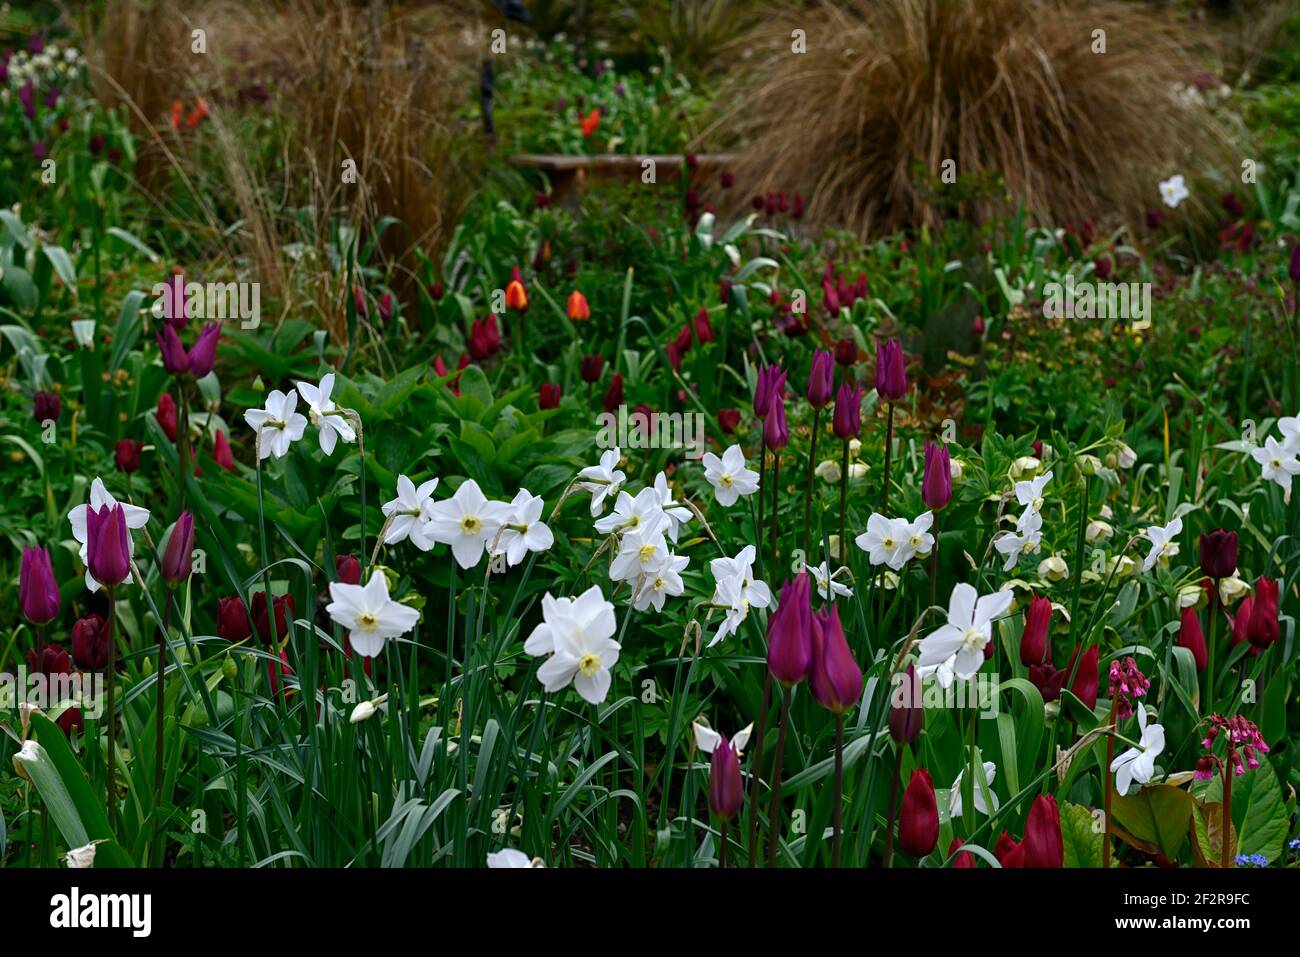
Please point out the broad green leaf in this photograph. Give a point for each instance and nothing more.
(1156, 817)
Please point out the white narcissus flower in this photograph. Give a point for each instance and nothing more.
(981, 805)
(677, 515)
(278, 425)
(919, 539)
(368, 614)
(79, 857)
(642, 551)
(523, 530)
(707, 740)
(136, 517)
(631, 512)
(1139, 764)
(468, 521)
(969, 629)
(1289, 426)
(602, 480)
(324, 414)
(1026, 538)
(886, 541)
(410, 513)
(1278, 463)
(1163, 545)
(1173, 190)
(737, 590)
(508, 858)
(583, 650)
(663, 582)
(826, 583)
(729, 476)
(366, 710)
(1030, 494)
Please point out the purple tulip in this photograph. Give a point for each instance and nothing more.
(891, 376)
(789, 633)
(38, 592)
(906, 708)
(1218, 553)
(775, 432)
(1293, 271)
(177, 559)
(90, 642)
(936, 487)
(175, 359)
(847, 419)
(27, 97)
(821, 380)
(46, 406)
(204, 354)
(174, 305)
(108, 545)
(771, 383)
(836, 679)
(726, 788)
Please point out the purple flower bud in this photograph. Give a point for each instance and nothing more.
(204, 354)
(891, 376)
(836, 679)
(1293, 270)
(847, 419)
(726, 788)
(108, 546)
(775, 433)
(38, 592)
(178, 557)
(936, 487)
(1218, 553)
(789, 633)
(821, 380)
(90, 642)
(771, 382)
(46, 406)
(906, 708)
(174, 357)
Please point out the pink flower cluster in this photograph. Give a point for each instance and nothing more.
(1126, 684)
(1244, 741)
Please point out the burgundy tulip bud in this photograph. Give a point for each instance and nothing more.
(108, 545)
(906, 707)
(359, 300)
(727, 179)
(683, 340)
(703, 327)
(846, 352)
(1008, 852)
(1219, 553)
(175, 359)
(726, 787)
(221, 453)
(1263, 629)
(831, 298)
(386, 307)
(1085, 679)
(1191, 637)
(728, 419)
(891, 374)
(836, 679)
(936, 486)
(591, 367)
(1241, 624)
(548, 396)
(284, 608)
(1232, 205)
(918, 818)
(1047, 678)
(821, 380)
(847, 419)
(438, 291)
(204, 354)
(126, 455)
(52, 661)
(978, 328)
(46, 407)
(614, 394)
(775, 432)
(166, 415)
(178, 557)
(38, 591)
(1033, 640)
(789, 633)
(965, 859)
(1042, 844)
(90, 643)
(232, 619)
(348, 569)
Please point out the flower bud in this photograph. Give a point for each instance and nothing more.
(177, 560)
(906, 707)
(38, 590)
(1218, 553)
(1191, 637)
(1034, 647)
(918, 819)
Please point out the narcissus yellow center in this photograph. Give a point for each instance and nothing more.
(647, 552)
(888, 542)
(973, 641)
(471, 525)
(367, 621)
(727, 481)
(588, 665)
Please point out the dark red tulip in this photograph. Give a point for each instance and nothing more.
(977, 329)
(90, 643)
(278, 669)
(232, 619)
(789, 633)
(1263, 628)
(726, 787)
(386, 307)
(614, 394)
(46, 407)
(126, 455)
(918, 818)
(437, 291)
(52, 661)
(108, 545)
(1241, 624)
(284, 610)
(221, 452)
(348, 569)
(548, 396)
(728, 419)
(965, 859)
(724, 291)
(1008, 852)
(846, 352)
(591, 367)
(906, 706)
(1085, 679)
(1047, 678)
(1218, 553)
(1293, 270)
(703, 327)
(1042, 845)
(836, 679)
(38, 590)
(1033, 640)
(178, 557)
(1191, 637)
(166, 415)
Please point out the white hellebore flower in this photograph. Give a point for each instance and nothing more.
(969, 629)
(325, 415)
(523, 530)
(826, 583)
(729, 476)
(954, 795)
(1278, 463)
(1173, 191)
(278, 426)
(1162, 542)
(82, 856)
(667, 580)
(136, 517)
(1053, 569)
(1097, 529)
(368, 614)
(886, 541)
(1139, 764)
(467, 522)
(602, 480)
(410, 513)
(578, 634)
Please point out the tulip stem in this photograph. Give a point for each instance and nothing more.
(161, 709)
(1214, 630)
(889, 452)
(756, 768)
(1110, 789)
(110, 707)
(762, 495)
(839, 788)
(893, 806)
(934, 560)
(776, 493)
(844, 495)
(722, 846)
(807, 504)
(969, 785)
(774, 811)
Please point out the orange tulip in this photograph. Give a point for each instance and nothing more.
(578, 308)
(516, 296)
(590, 123)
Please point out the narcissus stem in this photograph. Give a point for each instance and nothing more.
(839, 789)
(807, 502)
(774, 809)
(756, 769)
(889, 454)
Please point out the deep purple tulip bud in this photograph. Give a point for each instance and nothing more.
(821, 380)
(175, 359)
(836, 679)
(891, 375)
(906, 708)
(38, 592)
(46, 406)
(90, 643)
(1294, 270)
(177, 559)
(591, 367)
(1218, 553)
(204, 354)
(348, 569)
(847, 420)
(936, 487)
(108, 547)
(775, 432)
(918, 818)
(789, 633)
(726, 787)
(771, 383)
